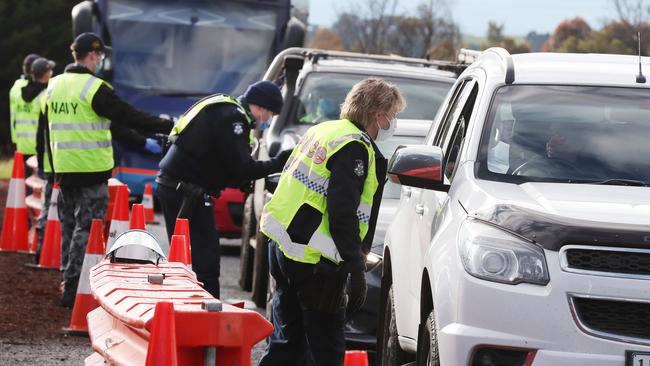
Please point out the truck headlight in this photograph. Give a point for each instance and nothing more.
(496, 255)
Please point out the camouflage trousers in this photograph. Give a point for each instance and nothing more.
(80, 206)
(42, 218)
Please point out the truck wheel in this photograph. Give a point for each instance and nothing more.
(428, 343)
(391, 352)
(260, 271)
(246, 253)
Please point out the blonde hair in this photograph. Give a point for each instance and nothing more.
(369, 97)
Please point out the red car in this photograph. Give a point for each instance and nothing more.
(228, 212)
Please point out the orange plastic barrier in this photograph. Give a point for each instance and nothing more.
(199, 327)
(51, 251)
(34, 201)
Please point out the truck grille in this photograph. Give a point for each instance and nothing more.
(621, 319)
(611, 260)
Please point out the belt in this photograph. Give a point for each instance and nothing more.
(168, 181)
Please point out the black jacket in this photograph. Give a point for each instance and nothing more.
(349, 169)
(127, 124)
(30, 91)
(214, 151)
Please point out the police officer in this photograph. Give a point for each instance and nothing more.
(28, 109)
(15, 99)
(211, 151)
(79, 111)
(321, 222)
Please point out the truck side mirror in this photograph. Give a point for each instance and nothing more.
(418, 166)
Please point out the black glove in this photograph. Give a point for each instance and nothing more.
(282, 157)
(357, 293)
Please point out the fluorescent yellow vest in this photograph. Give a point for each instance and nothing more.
(80, 139)
(186, 118)
(14, 94)
(26, 123)
(305, 180)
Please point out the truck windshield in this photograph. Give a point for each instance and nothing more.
(573, 134)
(192, 47)
(321, 96)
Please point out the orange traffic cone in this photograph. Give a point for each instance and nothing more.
(355, 358)
(51, 250)
(182, 227)
(147, 201)
(33, 243)
(84, 301)
(137, 223)
(162, 343)
(137, 217)
(120, 215)
(179, 250)
(14, 226)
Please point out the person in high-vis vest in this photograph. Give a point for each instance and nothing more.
(210, 151)
(15, 98)
(321, 222)
(28, 111)
(79, 111)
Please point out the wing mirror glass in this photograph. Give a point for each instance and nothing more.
(418, 166)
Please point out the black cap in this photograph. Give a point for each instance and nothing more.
(40, 66)
(27, 62)
(264, 94)
(88, 42)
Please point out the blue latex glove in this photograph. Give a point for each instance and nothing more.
(152, 146)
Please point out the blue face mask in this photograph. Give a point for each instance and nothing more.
(265, 124)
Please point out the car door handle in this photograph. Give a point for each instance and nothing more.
(407, 192)
(419, 209)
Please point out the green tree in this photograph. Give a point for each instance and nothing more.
(34, 26)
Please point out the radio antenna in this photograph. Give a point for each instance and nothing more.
(640, 78)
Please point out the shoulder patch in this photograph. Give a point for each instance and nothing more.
(238, 128)
(359, 168)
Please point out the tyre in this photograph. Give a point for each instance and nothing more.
(427, 353)
(246, 254)
(260, 271)
(390, 352)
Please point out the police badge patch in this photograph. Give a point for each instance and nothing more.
(238, 128)
(359, 169)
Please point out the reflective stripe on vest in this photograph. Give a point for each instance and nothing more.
(26, 123)
(79, 138)
(14, 95)
(305, 180)
(186, 118)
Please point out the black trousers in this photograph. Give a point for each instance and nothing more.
(204, 236)
(303, 334)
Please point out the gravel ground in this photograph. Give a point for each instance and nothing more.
(30, 318)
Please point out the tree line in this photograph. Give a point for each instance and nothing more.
(430, 31)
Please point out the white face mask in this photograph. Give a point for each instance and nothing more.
(385, 134)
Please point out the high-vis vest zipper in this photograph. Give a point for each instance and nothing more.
(305, 180)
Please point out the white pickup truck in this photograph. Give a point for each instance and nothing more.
(523, 232)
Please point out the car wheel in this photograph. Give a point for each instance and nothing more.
(391, 352)
(427, 353)
(260, 271)
(246, 254)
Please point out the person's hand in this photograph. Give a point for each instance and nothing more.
(357, 294)
(283, 156)
(153, 146)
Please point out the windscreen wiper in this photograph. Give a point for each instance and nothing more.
(621, 182)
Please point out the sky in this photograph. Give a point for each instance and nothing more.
(518, 16)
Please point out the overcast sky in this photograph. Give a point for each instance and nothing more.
(518, 16)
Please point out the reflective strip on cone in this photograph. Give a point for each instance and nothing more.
(90, 260)
(16, 194)
(117, 228)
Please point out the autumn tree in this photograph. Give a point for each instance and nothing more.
(326, 39)
(495, 38)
